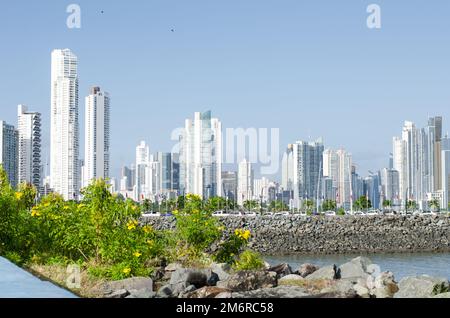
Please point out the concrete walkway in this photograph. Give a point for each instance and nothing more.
(17, 283)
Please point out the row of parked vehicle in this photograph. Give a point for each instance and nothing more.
(287, 213)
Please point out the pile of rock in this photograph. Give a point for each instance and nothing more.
(359, 278)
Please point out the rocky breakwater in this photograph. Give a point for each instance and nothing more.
(358, 278)
(347, 234)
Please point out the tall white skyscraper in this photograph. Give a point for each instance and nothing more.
(201, 156)
(445, 161)
(142, 162)
(64, 133)
(29, 129)
(417, 158)
(337, 165)
(245, 182)
(97, 136)
(399, 154)
(287, 169)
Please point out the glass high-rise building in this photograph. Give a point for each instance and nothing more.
(9, 139)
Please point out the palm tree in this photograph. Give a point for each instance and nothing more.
(434, 205)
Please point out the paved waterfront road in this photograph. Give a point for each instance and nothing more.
(17, 283)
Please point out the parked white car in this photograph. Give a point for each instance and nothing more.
(372, 213)
(330, 213)
(428, 213)
(220, 213)
(285, 213)
(151, 214)
(250, 214)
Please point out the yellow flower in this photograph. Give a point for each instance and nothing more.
(137, 254)
(47, 204)
(134, 208)
(66, 207)
(148, 229)
(221, 228)
(150, 242)
(243, 234)
(132, 225)
(19, 196)
(35, 212)
(126, 271)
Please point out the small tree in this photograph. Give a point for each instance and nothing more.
(434, 205)
(329, 205)
(387, 203)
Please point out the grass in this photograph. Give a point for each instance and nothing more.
(312, 286)
(90, 286)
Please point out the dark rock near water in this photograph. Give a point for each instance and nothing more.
(327, 272)
(281, 270)
(306, 269)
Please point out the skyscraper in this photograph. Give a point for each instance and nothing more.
(29, 130)
(97, 136)
(142, 162)
(201, 156)
(9, 139)
(307, 167)
(399, 152)
(287, 169)
(230, 183)
(168, 172)
(338, 166)
(390, 184)
(64, 133)
(245, 182)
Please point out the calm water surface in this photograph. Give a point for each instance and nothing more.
(402, 265)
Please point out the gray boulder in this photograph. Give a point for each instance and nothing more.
(327, 272)
(141, 293)
(207, 292)
(383, 286)
(356, 268)
(340, 287)
(165, 292)
(135, 283)
(197, 277)
(172, 267)
(306, 269)
(277, 292)
(222, 270)
(422, 287)
(249, 280)
(290, 279)
(281, 270)
(121, 293)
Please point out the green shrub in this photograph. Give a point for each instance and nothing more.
(196, 228)
(249, 260)
(231, 248)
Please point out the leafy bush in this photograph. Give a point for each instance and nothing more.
(196, 228)
(231, 248)
(249, 260)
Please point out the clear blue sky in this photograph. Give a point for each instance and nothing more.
(311, 68)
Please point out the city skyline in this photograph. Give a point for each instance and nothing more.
(331, 82)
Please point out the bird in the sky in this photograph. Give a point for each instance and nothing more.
(172, 30)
